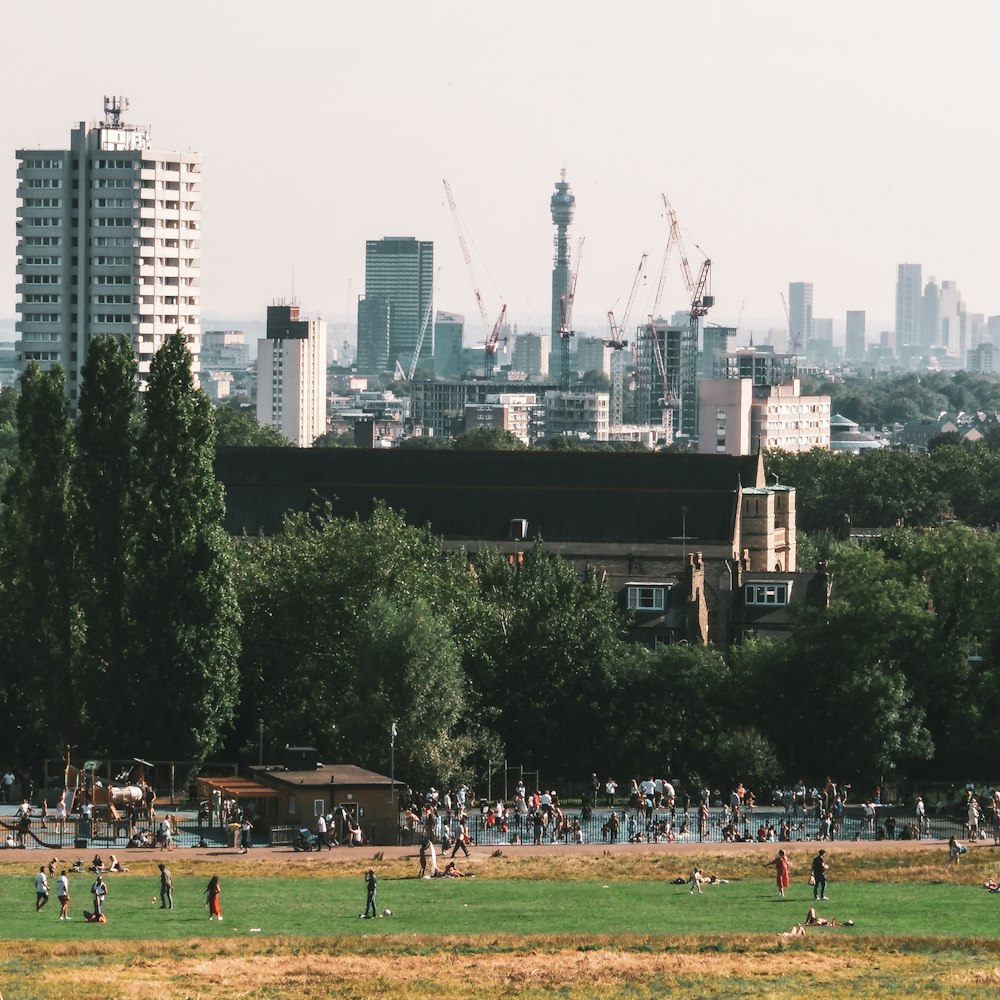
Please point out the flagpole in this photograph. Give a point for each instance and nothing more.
(392, 771)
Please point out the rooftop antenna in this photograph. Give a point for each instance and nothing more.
(113, 109)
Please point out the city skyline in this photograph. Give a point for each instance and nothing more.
(335, 124)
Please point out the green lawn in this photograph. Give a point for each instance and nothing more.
(325, 906)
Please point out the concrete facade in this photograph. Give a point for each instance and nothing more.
(108, 241)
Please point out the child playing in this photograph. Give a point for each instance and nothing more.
(696, 878)
(371, 881)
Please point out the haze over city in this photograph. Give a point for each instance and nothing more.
(796, 143)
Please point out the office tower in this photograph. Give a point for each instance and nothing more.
(396, 311)
(855, 336)
(592, 355)
(108, 241)
(930, 315)
(291, 375)
(953, 334)
(909, 322)
(800, 317)
(716, 340)
(448, 328)
(531, 354)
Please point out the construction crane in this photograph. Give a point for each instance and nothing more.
(566, 323)
(491, 335)
(420, 340)
(617, 343)
(492, 341)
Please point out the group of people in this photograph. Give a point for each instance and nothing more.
(817, 878)
(99, 892)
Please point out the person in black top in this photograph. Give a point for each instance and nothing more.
(819, 870)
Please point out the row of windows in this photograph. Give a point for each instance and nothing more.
(42, 241)
(112, 317)
(41, 355)
(43, 202)
(113, 164)
(113, 222)
(164, 165)
(41, 261)
(111, 261)
(112, 203)
(43, 182)
(42, 221)
(50, 297)
(44, 164)
(111, 241)
(41, 279)
(112, 300)
(42, 337)
(771, 594)
(112, 182)
(112, 279)
(41, 317)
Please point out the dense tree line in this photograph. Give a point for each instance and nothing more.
(118, 612)
(131, 625)
(885, 488)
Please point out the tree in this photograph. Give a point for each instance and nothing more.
(550, 659)
(183, 603)
(333, 439)
(488, 439)
(8, 432)
(39, 620)
(105, 481)
(239, 429)
(349, 625)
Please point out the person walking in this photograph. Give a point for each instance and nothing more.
(321, 837)
(819, 869)
(246, 829)
(371, 882)
(41, 889)
(780, 866)
(62, 894)
(166, 888)
(213, 899)
(462, 839)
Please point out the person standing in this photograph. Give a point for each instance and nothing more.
(62, 894)
(99, 890)
(213, 894)
(166, 888)
(371, 882)
(321, 838)
(780, 865)
(41, 889)
(246, 829)
(920, 816)
(819, 869)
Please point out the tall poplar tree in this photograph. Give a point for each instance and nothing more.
(184, 607)
(39, 620)
(105, 481)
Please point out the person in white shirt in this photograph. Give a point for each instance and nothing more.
(62, 894)
(41, 889)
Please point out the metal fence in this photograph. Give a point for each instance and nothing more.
(78, 834)
(594, 828)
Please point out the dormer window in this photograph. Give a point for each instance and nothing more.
(766, 594)
(647, 596)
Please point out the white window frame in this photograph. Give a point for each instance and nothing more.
(657, 593)
(758, 594)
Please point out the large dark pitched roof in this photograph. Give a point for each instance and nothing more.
(564, 496)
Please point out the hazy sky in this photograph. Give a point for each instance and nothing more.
(797, 141)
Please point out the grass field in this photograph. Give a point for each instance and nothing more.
(522, 928)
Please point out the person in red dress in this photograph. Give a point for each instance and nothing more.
(780, 865)
(214, 894)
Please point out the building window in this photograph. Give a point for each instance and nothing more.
(766, 594)
(646, 597)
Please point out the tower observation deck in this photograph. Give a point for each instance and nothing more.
(562, 205)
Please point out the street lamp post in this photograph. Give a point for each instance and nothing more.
(392, 768)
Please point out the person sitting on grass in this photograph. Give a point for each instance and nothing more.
(114, 865)
(451, 871)
(813, 920)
